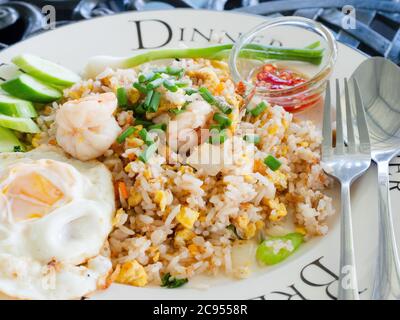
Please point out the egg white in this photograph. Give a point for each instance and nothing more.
(60, 254)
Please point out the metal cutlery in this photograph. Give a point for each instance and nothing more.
(379, 81)
(346, 162)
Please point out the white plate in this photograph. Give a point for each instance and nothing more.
(311, 273)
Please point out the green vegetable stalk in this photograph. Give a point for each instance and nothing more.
(250, 51)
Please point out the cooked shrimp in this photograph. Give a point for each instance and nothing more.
(182, 131)
(86, 127)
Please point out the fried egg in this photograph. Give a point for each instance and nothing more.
(55, 217)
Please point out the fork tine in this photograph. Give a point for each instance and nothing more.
(327, 124)
(361, 121)
(351, 140)
(339, 122)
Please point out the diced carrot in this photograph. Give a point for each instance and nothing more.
(123, 190)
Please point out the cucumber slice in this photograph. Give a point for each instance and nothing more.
(28, 88)
(8, 71)
(45, 70)
(14, 107)
(19, 124)
(8, 141)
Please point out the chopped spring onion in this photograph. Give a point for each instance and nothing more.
(140, 87)
(258, 109)
(273, 163)
(146, 137)
(218, 137)
(17, 149)
(207, 96)
(148, 153)
(222, 119)
(170, 85)
(252, 138)
(125, 134)
(144, 123)
(158, 126)
(122, 97)
(147, 100)
(155, 101)
(190, 91)
(154, 84)
(139, 110)
(171, 282)
(174, 71)
(177, 111)
(181, 84)
(223, 106)
(146, 77)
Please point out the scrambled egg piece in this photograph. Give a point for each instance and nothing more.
(182, 236)
(134, 198)
(187, 217)
(278, 210)
(132, 273)
(161, 199)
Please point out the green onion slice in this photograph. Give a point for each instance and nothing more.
(148, 153)
(154, 84)
(222, 119)
(218, 137)
(190, 91)
(258, 109)
(252, 138)
(158, 126)
(122, 97)
(177, 111)
(147, 100)
(273, 163)
(125, 134)
(144, 123)
(174, 71)
(146, 137)
(146, 77)
(170, 85)
(140, 87)
(155, 101)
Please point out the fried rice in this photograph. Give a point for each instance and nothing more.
(183, 218)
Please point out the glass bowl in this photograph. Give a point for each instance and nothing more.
(288, 32)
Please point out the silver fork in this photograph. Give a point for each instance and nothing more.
(346, 162)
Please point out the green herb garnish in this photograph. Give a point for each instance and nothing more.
(207, 96)
(144, 123)
(222, 120)
(140, 87)
(122, 97)
(125, 134)
(170, 282)
(158, 126)
(146, 137)
(190, 91)
(218, 136)
(252, 138)
(273, 163)
(170, 85)
(155, 101)
(258, 109)
(154, 84)
(147, 154)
